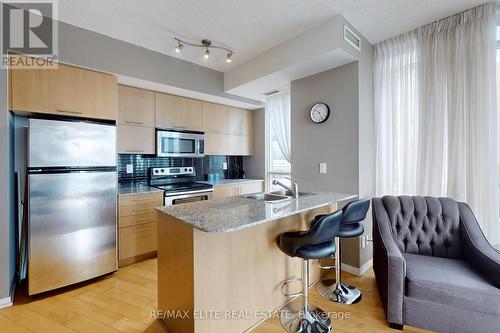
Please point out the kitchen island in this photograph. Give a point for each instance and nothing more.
(219, 269)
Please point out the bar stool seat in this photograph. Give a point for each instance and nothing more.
(336, 290)
(351, 230)
(315, 243)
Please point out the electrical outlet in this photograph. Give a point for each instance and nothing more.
(224, 166)
(130, 168)
(322, 167)
(363, 242)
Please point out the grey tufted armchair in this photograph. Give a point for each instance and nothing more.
(433, 265)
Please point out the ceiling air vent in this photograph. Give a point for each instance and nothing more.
(351, 38)
(272, 92)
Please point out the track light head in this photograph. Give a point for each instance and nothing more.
(207, 53)
(179, 47)
(228, 57)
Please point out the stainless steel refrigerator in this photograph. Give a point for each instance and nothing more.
(72, 196)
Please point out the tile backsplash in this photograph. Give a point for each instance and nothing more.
(202, 165)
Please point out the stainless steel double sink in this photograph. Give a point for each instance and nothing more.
(277, 196)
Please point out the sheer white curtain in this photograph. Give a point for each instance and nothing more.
(279, 116)
(435, 113)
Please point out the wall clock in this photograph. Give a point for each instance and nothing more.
(320, 113)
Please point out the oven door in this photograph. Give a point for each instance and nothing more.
(186, 197)
(179, 144)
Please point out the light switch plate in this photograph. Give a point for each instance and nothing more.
(224, 166)
(322, 167)
(363, 242)
(130, 168)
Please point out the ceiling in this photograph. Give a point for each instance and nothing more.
(247, 27)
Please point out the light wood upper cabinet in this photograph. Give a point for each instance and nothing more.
(136, 106)
(66, 90)
(135, 139)
(216, 143)
(214, 117)
(177, 112)
(239, 121)
(239, 145)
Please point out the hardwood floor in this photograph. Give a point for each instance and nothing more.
(122, 302)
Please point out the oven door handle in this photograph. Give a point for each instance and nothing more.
(188, 193)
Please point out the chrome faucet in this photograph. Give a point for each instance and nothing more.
(294, 189)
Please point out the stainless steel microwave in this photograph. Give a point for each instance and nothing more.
(171, 143)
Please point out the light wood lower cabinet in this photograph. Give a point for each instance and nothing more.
(137, 226)
(232, 190)
(135, 139)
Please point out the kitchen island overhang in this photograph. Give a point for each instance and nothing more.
(219, 269)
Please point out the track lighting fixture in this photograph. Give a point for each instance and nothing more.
(207, 44)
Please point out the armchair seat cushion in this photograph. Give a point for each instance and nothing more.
(450, 281)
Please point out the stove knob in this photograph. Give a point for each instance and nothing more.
(186, 169)
(162, 170)
(156, 171)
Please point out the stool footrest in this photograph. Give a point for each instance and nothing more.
(325, 267)
(286, 282)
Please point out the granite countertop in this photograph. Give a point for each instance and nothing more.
(232, 181)
(135, 187)
(236, 213)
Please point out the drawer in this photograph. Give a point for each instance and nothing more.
(137, 240)
(141, 198)
(130, 220)
(140, 204)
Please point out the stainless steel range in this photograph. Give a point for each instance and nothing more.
(179, 184)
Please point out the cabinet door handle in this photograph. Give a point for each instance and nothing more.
(145, 229)
(134, 151)
(144, 220)
(72, 112)
(142, 210)
(134, 122)
(141, 199)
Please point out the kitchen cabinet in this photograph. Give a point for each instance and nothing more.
(67, 90)
(136, 106)
(216, 144)
(228, 130)
(214, 117)
(135, 139)
(232, 190)
(137, 222)
(178, 112)
(239, 145)
(239, 122)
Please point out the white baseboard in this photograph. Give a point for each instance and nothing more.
(8, 301)
(358, 271)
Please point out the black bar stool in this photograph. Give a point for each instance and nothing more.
(337, 290)
(315, 243)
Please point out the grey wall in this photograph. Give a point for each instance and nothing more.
(85, 48)
(7, 238)
(333, 142)
(255, 165)
(366, 140)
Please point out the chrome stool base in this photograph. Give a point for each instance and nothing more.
(295, 320)
(342, 292)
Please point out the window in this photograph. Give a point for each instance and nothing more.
(277, 129)
(498, 112)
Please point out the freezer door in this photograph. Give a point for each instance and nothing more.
(54, 143)
(72, 228)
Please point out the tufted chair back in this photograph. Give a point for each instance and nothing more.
(425, 225)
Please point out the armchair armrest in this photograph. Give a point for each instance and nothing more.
(477, 250)
(389, 264)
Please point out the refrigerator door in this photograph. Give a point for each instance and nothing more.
(54, 143)
(72, 228)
